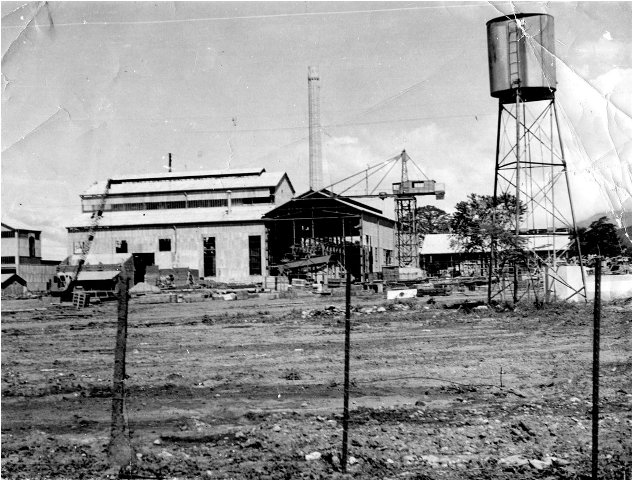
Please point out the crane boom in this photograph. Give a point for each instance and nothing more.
(85, 248)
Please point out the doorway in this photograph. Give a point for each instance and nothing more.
(209, 257)
(141, 262)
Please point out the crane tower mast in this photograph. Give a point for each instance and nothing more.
(406, 193)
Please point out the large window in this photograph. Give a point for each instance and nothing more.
(164, 244)
(388, 257)
(77, 247)
(254, 254)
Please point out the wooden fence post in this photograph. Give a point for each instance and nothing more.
(595, 379)
(345, 413)
(119, 450)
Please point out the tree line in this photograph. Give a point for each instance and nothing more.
(474, 223)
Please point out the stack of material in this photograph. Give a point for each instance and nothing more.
(152, 275)
(180, 276)
(80, 299)
(396, 274)
(144, 287)
(279, 284)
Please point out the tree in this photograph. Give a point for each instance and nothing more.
(476, 222)
(431, 219)
(600, 238)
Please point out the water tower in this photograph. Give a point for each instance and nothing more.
(530, 165)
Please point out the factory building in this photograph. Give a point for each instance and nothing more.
(206, 221)
(22, 255)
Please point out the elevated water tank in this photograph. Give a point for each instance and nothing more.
(521, 51)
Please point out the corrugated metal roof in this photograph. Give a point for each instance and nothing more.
(217, 180)
(196, 173)
(7, 276)
(308, 262)
(95, 276)
(18, 225)
(437, 243)
(99, 259)
(545, 242)
(176, 216)
(326, 194)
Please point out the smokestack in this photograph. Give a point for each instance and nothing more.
(169, 162)
(315, 133)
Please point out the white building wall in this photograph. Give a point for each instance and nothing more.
(231, 244)
(18, 245)
(381, 237)
(612, 286)
(9, 244)
(37, 276)
(283, 193)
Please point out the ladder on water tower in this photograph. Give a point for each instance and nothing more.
(514, 59)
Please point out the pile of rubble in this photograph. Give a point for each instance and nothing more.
(334, 311)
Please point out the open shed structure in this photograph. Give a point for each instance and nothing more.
(322, 232)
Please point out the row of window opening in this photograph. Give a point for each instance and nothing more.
(216, 202)
(11, 234)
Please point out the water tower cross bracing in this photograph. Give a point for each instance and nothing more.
(530, 164)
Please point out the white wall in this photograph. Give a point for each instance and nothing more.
(612, 286)
(231, 244)
(381, 237)
(283, 193)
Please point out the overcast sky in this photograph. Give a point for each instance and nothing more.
(93, 90)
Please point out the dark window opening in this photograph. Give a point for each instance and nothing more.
(8, 234)
(215, 202)
(121, 246)
(388, 257)
(31, 246)
(207, 203)
(8, 260)
(164, 244)
(254, 253)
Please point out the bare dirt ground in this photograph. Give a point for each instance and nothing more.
(251, 389)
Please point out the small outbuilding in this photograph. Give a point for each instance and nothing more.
(439, 255)
(13, 285)
(22, 255)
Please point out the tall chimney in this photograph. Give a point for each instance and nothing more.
(315, 133)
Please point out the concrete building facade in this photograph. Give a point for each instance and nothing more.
(209, 221)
